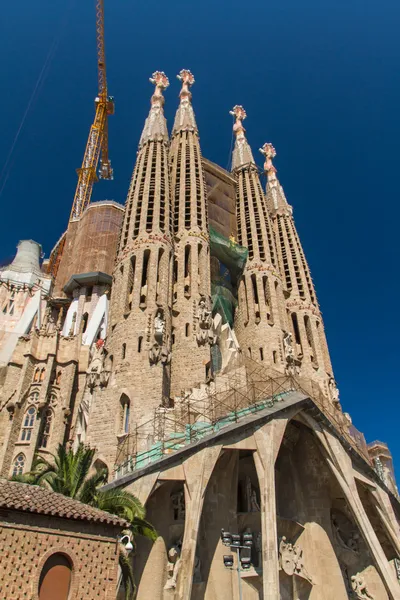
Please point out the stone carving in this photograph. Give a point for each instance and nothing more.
(96, 372)
(174, 562)
(334, 392)
(347, 538)
(49, 324)
(204, 334)
(291, 559)
(252, 504)
(292, 366)
(360, 588)
(159, 350)
(178, 505)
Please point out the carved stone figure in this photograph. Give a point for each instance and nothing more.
(360, 588)
(174, 560)
(72, 328)
(159, 327)
(291, 559)
(204, 333)
(291, 367)
(159, 350)
(96, 363)
(178, 505)
(334, 392)
(251, 497)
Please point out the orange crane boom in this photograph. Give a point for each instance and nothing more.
(97, 143)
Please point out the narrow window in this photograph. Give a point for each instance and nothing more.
(159, 274)
(46, 429)
(187, 329)
(19, 464)
(254, 285)
(42, 373)
(274, 356)
(261, 354)
(84, 322)
(145, 274)
(140, 341)
(187, 270)
(58, 378)
(296, 328)
(173, 335)
(131, 281)
(27, 425)
(125, 405)
(249, 352)
(123, 353)
(37, 375)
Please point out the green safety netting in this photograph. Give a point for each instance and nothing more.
(232, 257)
(228, 252)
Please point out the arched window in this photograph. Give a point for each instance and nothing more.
(27, 425)
(36, 376)
(19, 464)
(42, 372)
(125, 406)
(46, 429)
(55, 578)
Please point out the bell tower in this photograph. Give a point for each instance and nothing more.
(260, 320)
(139, 338)
(191, 322)
(303, 315)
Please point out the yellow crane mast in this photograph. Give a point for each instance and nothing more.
(97, 143)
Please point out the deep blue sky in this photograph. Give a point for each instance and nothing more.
(320, 80)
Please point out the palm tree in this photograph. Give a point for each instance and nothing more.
(72, 474)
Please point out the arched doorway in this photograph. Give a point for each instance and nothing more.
(55, 578)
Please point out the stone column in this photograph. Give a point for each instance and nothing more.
(268, 439)
(198, 470)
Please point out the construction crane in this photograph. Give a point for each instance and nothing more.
(97, 143)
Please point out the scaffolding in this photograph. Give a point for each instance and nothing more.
(245, 391)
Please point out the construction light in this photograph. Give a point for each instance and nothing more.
(228, 561)
(245, 561)
(226, 538)
(248, 539)
(235, 540)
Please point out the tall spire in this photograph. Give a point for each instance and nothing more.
(184, 119)
(155, 127)
(276, 199)
(242, 154)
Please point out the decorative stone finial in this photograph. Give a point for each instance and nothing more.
(184, 119)
(161, 81)
(242, 153)
(269, 152)
(187, 79)
(155, 126)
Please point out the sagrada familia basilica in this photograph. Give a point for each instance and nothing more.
(181, 337)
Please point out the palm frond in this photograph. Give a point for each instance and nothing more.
(144, 528)
(120, 503)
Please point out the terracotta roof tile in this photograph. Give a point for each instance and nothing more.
(39, 500)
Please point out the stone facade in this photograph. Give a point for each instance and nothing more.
(202, 378)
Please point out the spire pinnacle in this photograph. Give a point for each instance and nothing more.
(276, 198)
(269, 152)
(242, 154)
(155, 127)
(184, 119)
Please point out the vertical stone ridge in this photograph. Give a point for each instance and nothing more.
(140, 335)
(261, 318)
(304, 317)
(192, 289)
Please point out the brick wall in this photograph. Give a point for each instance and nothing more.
(27, 541)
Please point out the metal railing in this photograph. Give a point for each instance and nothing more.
(246, 390)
